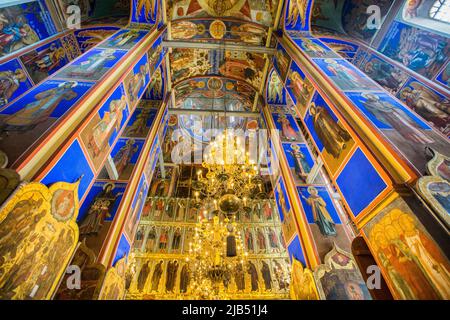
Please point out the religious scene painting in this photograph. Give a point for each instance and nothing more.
(102, 130)
(360, 174)
(403, 128)
(45, 60)
(213, 30)
(125, 39)
(419, 50)
(14, 81)
(428, 103)
(387, 75)
(299, 87)
(93, 65)
(140, 121)
(70, 170)
(314, 48)
(28, 22)
(281, 62)
(144, 11)
(288, 128)
(136, 208)
(331, 138)
(295, 250)
(37, 239)
(323, 219)
(91, 36)
(98, 211)
(285, 211)
(346, 49)
(137, 80)
(344, 75)
(300, 161)
(276, 94)
(412, 263)
(261, 12)
(28, 118)
(444, 76)
(297, 15)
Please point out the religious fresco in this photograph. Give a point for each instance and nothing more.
(45, 60)
(331, 138)
(276, 94)
(339, 277)
(91, 36)
(71, 166)
(314, 48)
(98, 211)
(230, 31)
(288, 128)
(125, 154)
(194, 93)
(38, 237)
(345, 49)
(412, 263)
(281, 62)
(141, 121)
(23, 25)
(344, 75)
(135, 210)
(390, 77)
(144, 11)
(299, 87)
(444, 76)
(359, 174)
(302, 286)
(245, 66)
(25, 120)
(92, 275)
(125, 39)
(295, 251)
(14, 81)
(428, 103)
(323, 219)
(285, 210)
(156, 55)
(157, 86)
(100, 133)
(92, 65)
(297, 15)
(137, 80)
(324, 15)
(419, 50)
(409, 133)
(113, 287)
(261, 12)
(300, 161)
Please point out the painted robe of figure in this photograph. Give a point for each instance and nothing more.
(156, 277)
(184, 278)
(320, 213)
(265, 271)
(143, 275)
(253, 276)
(39, 110)
(330, 133)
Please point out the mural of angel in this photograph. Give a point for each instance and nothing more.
(296, 11)
(275, 88)
(149, 10)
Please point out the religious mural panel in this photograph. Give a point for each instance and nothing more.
(14, 81)
(137, 80)
(297, 16)
(144, 11)
(281, 62)
(299, 87)
(91, 36)
(444, 76)
(125, 39)
(276, 94)
(314, 48)
(300, 161)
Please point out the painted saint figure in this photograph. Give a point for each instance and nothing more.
(99, 210)
(9, 83)
(124, 155)
(93, 64)
(156, 277)
(302, 167)
(320, 213)
(39, 110)
(265, 271)
(332, 135)
(287, 130)
(251, 269)
(143, 275)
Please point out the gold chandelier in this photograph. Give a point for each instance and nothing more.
(214, 254)
(232, 177)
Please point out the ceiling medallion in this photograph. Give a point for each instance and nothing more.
(217, 29)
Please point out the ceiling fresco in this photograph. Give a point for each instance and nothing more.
(240, 65)
(259, 11)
